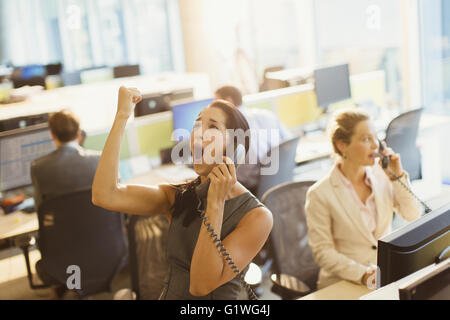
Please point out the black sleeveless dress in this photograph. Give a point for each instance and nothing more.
(181, 244)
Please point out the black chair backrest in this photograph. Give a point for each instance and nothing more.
(147, 237)
(73, 231)
(289, 237)
(126, 71)
(285, 162)
(401, 136)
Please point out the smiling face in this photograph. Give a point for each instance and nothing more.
(363, 146)
(208, 136)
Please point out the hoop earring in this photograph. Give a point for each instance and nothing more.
(344, 156)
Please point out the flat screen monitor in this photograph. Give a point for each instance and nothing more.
(33, 71)
(414, 246)
(18, 149)
(151, 104)
(185, 114)
(332, 84)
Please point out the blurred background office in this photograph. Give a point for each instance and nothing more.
(300, 59)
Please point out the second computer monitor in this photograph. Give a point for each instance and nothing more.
(414, 246)
(185, 114)
(332, 85)
(18, 149)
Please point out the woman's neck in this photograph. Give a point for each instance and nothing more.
(353, 172)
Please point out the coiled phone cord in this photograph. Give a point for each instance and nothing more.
(224, 252)
(427, 208)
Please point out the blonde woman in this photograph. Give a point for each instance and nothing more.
(352, 207)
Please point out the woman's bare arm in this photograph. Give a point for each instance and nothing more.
(107, 192)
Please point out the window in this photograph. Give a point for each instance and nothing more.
(90, 33)
(367, 34)
(435, 52)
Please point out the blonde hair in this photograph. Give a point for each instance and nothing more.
(342, 125)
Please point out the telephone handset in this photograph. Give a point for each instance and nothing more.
(384, 159)
(385, 165)
(202, 192)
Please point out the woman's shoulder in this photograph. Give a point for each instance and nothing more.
(321, 186)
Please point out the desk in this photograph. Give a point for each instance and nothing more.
(342, 290)
(390, 292)
(18, 223)
(95, 103)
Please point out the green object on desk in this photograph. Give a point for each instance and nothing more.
(260, 105)
(154, 137)
(97, 142)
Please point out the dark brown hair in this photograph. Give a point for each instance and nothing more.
(185, 197)
(64, 125)
(343, 125)
(230, 92)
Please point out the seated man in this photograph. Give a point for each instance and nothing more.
(68, 168)
(248, 174)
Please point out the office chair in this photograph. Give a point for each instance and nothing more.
(147, 237)
(286, 164)
(401, 136)
(295, 271)
(126, 71)
(74, 232)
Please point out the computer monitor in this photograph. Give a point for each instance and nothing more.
(152, 103)
(185, 114)
(18, 148)
(414, 246)
(33, 71)
(22, 122)
(332, 84)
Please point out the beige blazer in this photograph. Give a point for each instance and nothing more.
(341, 243)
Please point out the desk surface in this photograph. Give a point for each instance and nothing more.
(95, 103)
(17, 223)
(342, 290)
(390, 292)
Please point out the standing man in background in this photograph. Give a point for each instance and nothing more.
(248, 174)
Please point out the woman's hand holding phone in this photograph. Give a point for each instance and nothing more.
(223, 178)
(395, 164)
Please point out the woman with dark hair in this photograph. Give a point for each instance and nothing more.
(215, 231)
